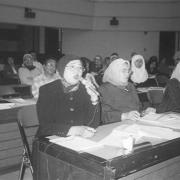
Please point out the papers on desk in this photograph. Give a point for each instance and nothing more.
(7, 105)
(170, 120)
(75, 143)
(137, 131)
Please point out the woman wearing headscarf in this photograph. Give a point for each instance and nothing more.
(66, 107)
(67, 102)
(171, 97)
(28, 71)
(119, 97)
(139, 73)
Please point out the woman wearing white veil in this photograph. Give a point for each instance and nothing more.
(139, 73)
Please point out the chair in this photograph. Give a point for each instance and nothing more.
(27, 117)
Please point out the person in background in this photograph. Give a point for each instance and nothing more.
(114, 56)
(171, 97)
(163, 68)
(152, 65)
(66, 106)
(49, 74)
(176, 57)
(10, 72)
(28, 71)
(139, 73)
(119, 97)
(96, 68)
(86, 74)
(36, 63)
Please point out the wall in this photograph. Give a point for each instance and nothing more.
(91, 43)
(88, 23)
(52, 13)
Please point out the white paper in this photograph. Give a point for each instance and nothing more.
(75, 143)
(170, 120)
(6, 105)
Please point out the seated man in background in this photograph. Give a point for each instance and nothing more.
(10, 72)
(119, 97)
(36, 63)
(171, 97)
(49, 74)
(28, 71)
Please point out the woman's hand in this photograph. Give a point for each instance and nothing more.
(132, 115)
(83, 131)
(148, 110)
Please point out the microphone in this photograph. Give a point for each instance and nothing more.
(89, 85)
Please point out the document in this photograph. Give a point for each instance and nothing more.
(170, 120)
(75, 143)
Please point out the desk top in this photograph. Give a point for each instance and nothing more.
(123, 165)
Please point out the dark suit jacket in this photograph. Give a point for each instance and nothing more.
(58, 111)
(171, 97)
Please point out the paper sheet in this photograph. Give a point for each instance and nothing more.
(170, 120)
(75, 143)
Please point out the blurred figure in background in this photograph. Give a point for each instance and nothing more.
(96, 68)
(49, 74)
(36, 63)
(114, 56)
(176, 57)
(171, 97)
(139, 73)
(152, 65)
(87, 74)
(28, 71)
(10, 72)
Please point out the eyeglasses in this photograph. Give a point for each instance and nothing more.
(76, 68)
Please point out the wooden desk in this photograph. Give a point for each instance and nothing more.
(161, 161)
(10, 141)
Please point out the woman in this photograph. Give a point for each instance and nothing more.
(67, 103)
(119, 98)
(28, 71)
(139, 73)
(171, 97)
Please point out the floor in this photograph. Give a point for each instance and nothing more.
(14, 175)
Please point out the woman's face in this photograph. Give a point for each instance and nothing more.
(124, 74)
(73, 72)
(138, 63)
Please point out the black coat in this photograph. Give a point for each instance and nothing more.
(58, 111)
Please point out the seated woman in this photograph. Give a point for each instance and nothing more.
(171, 97)
(119, 97)
(139, 73)
(66, 102)
(28, 71)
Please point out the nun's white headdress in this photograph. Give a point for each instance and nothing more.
(139, 75)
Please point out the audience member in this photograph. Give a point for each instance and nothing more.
(171, 97)
(119, 97)
(163, 68)
(139, 73)
(49, 74)
(114, 56)
(96, 68)
(36, 63)
(86, 74)
(152, 65)
(10, 72)
(176, 57)
(28, 71)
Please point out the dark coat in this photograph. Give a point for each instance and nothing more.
(116, 101)
(171, 97)
(58, 111)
